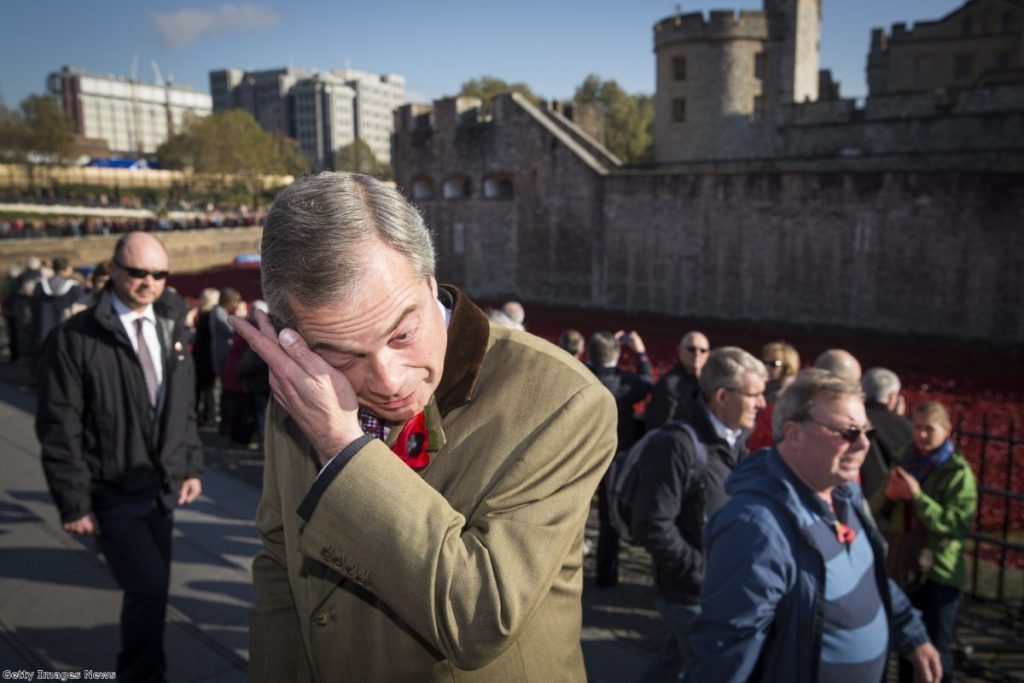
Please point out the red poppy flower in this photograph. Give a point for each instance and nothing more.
(845, 534)
(411, 444)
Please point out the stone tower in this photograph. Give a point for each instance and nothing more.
(721, 80)
(795, 28)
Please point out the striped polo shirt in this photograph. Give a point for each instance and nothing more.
(855, 636)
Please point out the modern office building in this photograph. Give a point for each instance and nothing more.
(132, 117)
(310, 106)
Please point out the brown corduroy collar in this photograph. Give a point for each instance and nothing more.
(468, 332)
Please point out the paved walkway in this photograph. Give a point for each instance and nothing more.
(59, 606)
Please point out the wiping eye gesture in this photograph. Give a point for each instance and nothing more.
(318, 397)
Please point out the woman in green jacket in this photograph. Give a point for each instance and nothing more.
(934, 489)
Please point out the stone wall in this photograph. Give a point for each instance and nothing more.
(909, 252)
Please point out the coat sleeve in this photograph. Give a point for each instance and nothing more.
(908, 630)
(749, 571)
(468, 586)
(59, 410)
(663, 478)
(275, 631)
(951, 513)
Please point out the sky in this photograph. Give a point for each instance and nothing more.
(551, 45)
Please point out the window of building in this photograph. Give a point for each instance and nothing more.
(759, 65)
(679, 68)
(679, 109)
(456, 187)
(759, 107)
(498, 187)
(422, 189)
(963, 67)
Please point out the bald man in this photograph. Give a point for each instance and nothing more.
(840, 363)
(676, 392)
(120, 447)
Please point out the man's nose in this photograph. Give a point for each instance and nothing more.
(385, 377)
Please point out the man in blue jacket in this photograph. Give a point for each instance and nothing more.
(795, 586)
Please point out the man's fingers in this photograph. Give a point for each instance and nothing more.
(297, 349)
(266, 326)
(267, 347)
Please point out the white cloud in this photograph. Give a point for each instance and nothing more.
(188, 25)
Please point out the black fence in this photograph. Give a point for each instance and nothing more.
(991, 626)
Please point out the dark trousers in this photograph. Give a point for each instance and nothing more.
(607, 560)
(135, 538)
(939, 606)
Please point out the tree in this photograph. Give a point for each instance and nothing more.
(232, 143)
(358, 157)
(37, 130)
(629, 119)
(487, 87)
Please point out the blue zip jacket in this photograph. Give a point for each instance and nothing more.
(761, 600)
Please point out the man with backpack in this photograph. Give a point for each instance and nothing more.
(680, 481)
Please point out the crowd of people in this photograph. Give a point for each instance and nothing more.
(760, 546)
(770, 563)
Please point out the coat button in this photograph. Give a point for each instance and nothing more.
(321, 619)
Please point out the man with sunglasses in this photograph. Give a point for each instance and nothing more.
(120, 447)
(795, 586)
(676, 391)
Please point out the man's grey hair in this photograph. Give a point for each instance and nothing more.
(314, 232)
(879, 384)
(602, 349)
(725, 367)
(795, 402)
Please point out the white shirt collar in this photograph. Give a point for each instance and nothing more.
(730, 435)
(127, 315)
(446, 312)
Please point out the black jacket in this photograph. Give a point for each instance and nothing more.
(628, 388)
(670, 511)
(893, 433)
(673, 398)
(94, 422)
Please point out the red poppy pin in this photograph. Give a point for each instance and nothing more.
(411, 444)
(845, 534)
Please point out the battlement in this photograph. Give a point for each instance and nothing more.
(719, 25)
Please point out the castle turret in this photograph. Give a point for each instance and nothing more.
(723, 80)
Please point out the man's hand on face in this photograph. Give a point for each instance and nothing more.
(318, 397)
(83, 526)
(927, 664)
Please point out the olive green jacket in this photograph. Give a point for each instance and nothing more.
(945, 507)
(468, 570)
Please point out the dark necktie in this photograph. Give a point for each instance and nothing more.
(146, 361)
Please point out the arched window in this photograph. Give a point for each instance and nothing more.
(498, 187)
(422, 189)
(456, 187)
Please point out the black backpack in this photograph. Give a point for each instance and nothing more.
(621, 482)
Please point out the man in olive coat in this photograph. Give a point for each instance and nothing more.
(428, 475)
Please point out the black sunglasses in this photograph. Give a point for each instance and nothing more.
(850, 435)
(696, 349)
(774, 363)
(139, 273)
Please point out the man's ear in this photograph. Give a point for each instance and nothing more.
(789, 430)
(718, 396)
(433, 285)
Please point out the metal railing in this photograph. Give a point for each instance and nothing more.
(991, 624)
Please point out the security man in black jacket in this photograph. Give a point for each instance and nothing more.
(120, 447)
